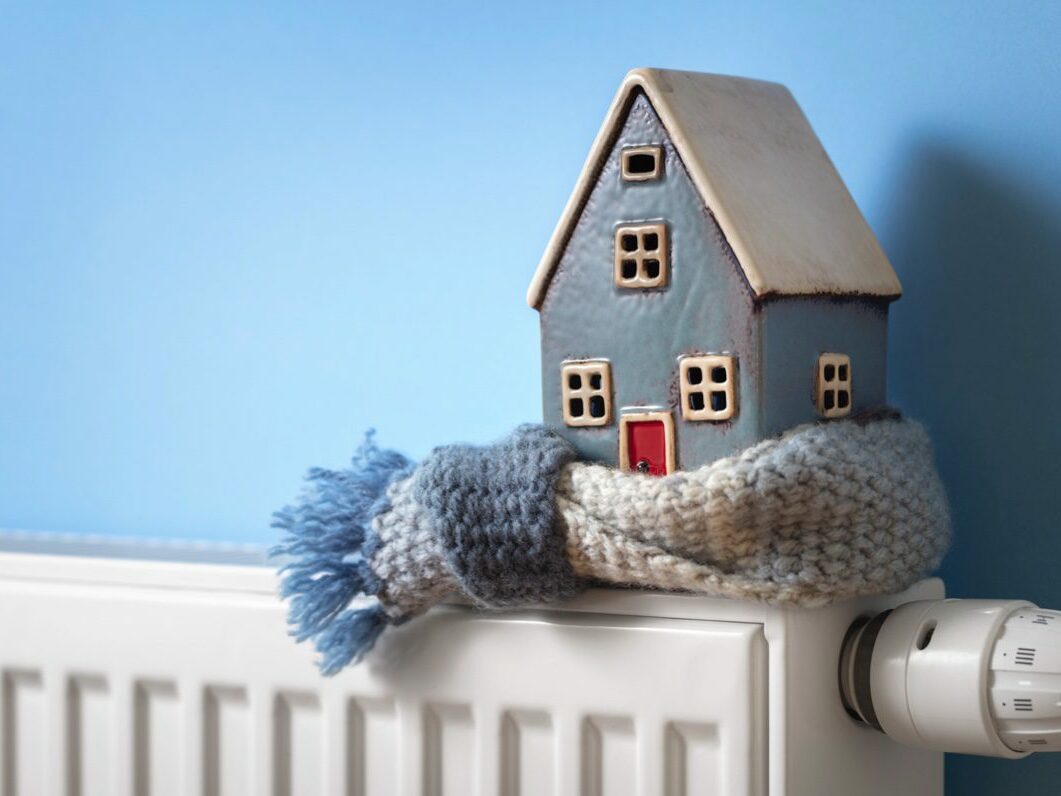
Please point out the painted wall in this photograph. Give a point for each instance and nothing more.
(232, 239)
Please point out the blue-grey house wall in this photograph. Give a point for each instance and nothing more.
(795, 330)
(706, 307)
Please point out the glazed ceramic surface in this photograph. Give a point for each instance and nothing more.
(706, 307)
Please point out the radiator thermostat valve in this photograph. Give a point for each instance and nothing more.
(979, 677)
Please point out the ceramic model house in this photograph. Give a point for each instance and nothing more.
(711, 281)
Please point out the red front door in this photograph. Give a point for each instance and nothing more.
(646, 446)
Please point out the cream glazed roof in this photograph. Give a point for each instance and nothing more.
(762, 171)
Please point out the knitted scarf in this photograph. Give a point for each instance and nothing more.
(825, 512)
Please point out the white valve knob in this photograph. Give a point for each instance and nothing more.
(974, 676)
(1025, 680)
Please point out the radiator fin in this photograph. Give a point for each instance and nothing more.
(88, 736)
(156, 739)
(298, 744)
(528, 765)
(23, 751)
(226, 741)
(372, 763)
(449, 760)
(609, 756)
(692, 760)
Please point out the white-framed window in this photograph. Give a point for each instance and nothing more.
(586, 390)
(642, 163)
(834, 385)
(641, 255)
(708, 387)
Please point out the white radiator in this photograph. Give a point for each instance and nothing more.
(147, 677)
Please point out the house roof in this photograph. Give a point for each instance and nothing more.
(762, 171)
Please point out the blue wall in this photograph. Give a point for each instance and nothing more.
(230, 241)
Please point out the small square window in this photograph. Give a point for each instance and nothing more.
(708, 400)
(587, 392)
(642, 163)
(641, 256)
(834, 385)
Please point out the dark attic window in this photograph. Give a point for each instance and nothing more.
(642, 163)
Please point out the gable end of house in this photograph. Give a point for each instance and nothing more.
(764, 177)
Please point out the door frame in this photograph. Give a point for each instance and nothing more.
(642, 416)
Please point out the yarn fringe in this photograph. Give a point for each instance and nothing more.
(349, 636)
(329, 538)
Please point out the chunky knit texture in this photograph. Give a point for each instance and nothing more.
(492, 511)
(825, 512)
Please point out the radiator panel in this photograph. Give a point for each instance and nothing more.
(159, 691)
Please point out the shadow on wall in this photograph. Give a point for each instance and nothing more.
(975, 353)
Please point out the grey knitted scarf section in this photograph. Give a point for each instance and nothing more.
(491, 511)
(825, 512)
